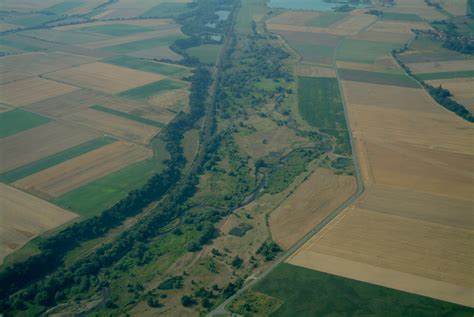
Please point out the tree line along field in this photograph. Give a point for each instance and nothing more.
(92, 116)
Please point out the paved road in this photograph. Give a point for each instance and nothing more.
(220, 310)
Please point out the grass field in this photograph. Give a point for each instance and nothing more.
(378, 78)
(17, 120)
(55, 159)
(142, 44)
(167, 9)
(446, 75)
(93, 198)
(144, 92)
(306, 292)
(363, 51)
(129, 116)
(206, 53)
(145, 65)
(410, 17)
(320, 102)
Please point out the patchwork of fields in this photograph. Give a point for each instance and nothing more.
(80, 106)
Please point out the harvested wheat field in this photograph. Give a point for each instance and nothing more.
(461, 88)
(104, 77)
(310, 203)
(141, 22)
(24, 217)
(438, 67)
(61, 178)
(114, 125)
(37, 143)
(30, 90)
(41, 63)
(9, 76)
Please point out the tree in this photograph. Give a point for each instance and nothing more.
(188, 301)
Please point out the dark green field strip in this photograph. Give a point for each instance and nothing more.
(129, 116)
(143, 92)
(320, 102)
(90, 199)
(409, 17)
(35, 167)
(378, 78)
(14, 121)
(148, 66)
(306, 292)
(446, 75)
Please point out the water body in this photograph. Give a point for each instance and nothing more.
(319, 5)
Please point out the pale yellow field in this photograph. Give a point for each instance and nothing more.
(24, 217)
(41, 63)
(114, 125)
(309, 29)
(104, 77)
(37, 143)
(438, 67)
(461, 88)
(310, 203)
(61, 178)
(30, 90)
(140, 22)
(314, 71)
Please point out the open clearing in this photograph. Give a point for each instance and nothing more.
(310, 203)
(83, 169)
(114, 125)
(37, 143)
(104, 77)
(30, 90)
(461, 88)
(24, 216)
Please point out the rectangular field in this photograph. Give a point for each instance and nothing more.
(148, 66)
(364, 51)
(206, 53)
(104, 77)
(16, 120)
(145, 92)
(439, 67)
(66, 176)
(378, 78)
(447, 75)
(30, 90)
(24, 217)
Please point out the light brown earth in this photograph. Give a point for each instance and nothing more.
(24, 217)
(41, 63)
(30, 90)
(314, 71)
(438, 67)
(309, 204)
(115, 125)
(33, 144)
(461, 88)
(141, 22)
(83, 169)
(104, 77)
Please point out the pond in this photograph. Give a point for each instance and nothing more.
(319, 5)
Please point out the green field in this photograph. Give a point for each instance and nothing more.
(378, 78)
(320, 102)
(63, 7)
(93, 198)
(67, 37)
(31, 20)
(146, 91)
(326, 19)
(35, 167)
(148, 66)
(409, 17)
(363, 51)
(117, 29)
(16, 120)
(446, 75)
(167, 9)
(11, 43)
(143, 44)
(306, 292)
(206, 53)
(129, 116)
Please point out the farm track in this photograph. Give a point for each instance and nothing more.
(220, 310)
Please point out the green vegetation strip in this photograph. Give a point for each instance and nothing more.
(143, 92)
(311, 293)
(117, 29)
(14, 121)
(409, 17)
(378, 78)
(35, 167)
(91, 199)
(129, 116)
(446, 75)
(320, 102)
(148, 66)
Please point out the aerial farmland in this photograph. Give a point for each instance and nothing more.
(249, 157)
